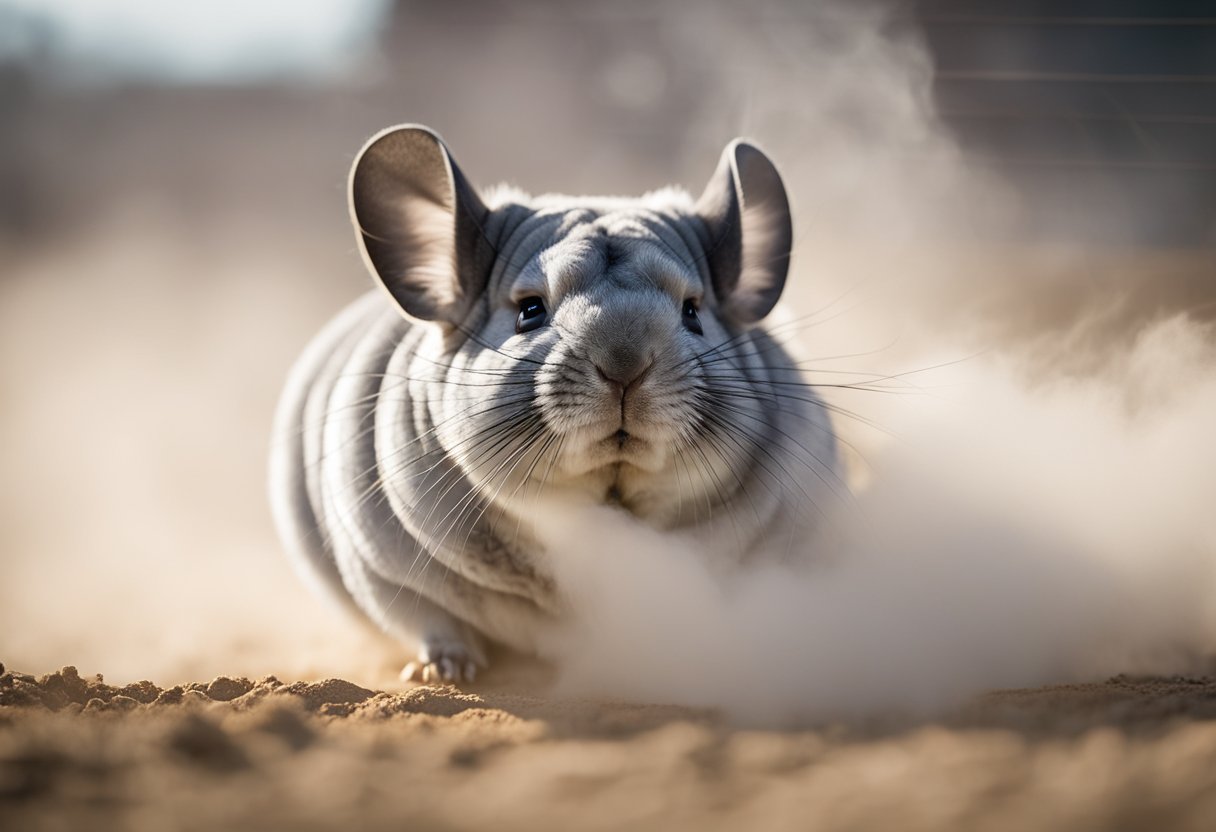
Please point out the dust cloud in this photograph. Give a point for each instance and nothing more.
(1029, 439)
(1010, 538)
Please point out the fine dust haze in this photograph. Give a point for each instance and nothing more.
(1029, 424)
(1011, 536)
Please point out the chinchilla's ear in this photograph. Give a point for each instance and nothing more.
(419, 223)
(750, 233)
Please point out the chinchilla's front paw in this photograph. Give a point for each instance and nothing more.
(446, 660)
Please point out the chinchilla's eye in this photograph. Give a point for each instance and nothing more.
(691, 321)
(531, 314)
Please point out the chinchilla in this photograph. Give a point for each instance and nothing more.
(604, 349)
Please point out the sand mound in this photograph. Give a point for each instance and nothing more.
(234, 753)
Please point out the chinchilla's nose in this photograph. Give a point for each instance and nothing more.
(624, 365)
(624, 340)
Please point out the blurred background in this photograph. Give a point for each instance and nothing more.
(1037, 177)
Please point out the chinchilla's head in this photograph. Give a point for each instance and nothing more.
(593, 345)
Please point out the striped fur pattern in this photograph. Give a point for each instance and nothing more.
(421, 431)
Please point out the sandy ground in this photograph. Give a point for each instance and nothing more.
(76, 753)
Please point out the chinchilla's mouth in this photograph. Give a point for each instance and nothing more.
(624, 442)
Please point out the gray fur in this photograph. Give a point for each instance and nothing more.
(412, 450)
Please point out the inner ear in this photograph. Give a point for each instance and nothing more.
(419, 224)
(749, 232)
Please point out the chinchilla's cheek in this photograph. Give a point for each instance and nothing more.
(524, 352)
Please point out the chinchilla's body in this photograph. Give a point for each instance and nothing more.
(596, 349)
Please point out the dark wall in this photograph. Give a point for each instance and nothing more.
(1087, 103)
